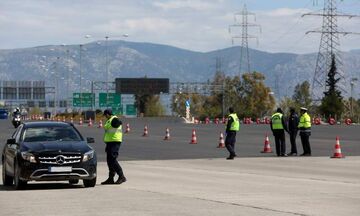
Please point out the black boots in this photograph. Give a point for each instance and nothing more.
(108, 181)
(231, 157)
(120, 180)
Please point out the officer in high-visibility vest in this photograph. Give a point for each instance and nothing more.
(305, 131)
(278, 128)
(113, 139)
(232, 127)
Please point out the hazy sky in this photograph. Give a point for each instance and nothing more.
(198, 25)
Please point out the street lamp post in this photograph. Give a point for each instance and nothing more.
(56, 96)
(107, 69)
(352, 83)
(80, 74)
(67, 79)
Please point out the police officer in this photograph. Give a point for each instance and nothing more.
(232, 127)
(305, 131)
(293, 123)
(113, 139)
(278, 126)
(16, 111)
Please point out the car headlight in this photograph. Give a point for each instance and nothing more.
(28, 157)
(88, 155)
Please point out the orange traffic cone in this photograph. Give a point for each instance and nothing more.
(267, 148)
(167, 134)
(146, 132)
(221, 141)
(90, 123)
(71, 120)
(193, 137)
(337, 151)
(127, 130)
(100, 124)
(80, 121)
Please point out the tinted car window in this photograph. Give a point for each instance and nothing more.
(41, 134)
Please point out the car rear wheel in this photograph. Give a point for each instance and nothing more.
(19, 184)
(90, 182)
(7, 180)
(73, 181)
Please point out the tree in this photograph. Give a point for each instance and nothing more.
(301, 95)
(213, 105)
(255, 96)
(149, 105)
(249, 98)
(332, 104)
(153, 106)
(196, 104)
(140, 102)
(286, 103)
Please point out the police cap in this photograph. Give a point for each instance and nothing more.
(303, 108)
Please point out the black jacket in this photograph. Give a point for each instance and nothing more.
(293, 122)
(116, 122)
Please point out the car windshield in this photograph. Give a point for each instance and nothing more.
(41, 134)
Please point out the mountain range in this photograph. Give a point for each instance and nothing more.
(133, 59)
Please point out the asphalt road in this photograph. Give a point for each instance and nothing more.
(250, 140)
(267, 186)
(161, 182)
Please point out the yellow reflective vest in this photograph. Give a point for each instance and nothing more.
(276, 121)
(112, 134)
(305, 123)
(235, 125)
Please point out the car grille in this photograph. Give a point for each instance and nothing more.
(43, 174)
(60, 159)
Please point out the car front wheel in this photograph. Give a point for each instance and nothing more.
(89, 182)
(7, 180)
(19, 184)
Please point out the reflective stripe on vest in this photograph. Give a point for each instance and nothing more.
(305, 122)
(276, 121)
(235, 125)
(112, 134)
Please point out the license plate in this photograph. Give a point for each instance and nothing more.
(60, 169)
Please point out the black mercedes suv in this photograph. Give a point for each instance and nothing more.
(48, 151)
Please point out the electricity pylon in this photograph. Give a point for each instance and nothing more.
(244, 25)
(329, 46)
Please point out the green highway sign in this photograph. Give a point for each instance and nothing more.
(83, 99)
(110, 100)
(117, 110)
(130, 109)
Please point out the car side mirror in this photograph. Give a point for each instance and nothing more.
(90, 140)
(10, 141)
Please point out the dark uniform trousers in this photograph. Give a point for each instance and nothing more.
(305, 142)
(230, 142)
(293, 135)
(112, 152)
(279, 142)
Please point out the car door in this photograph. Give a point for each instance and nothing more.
(12, 149)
